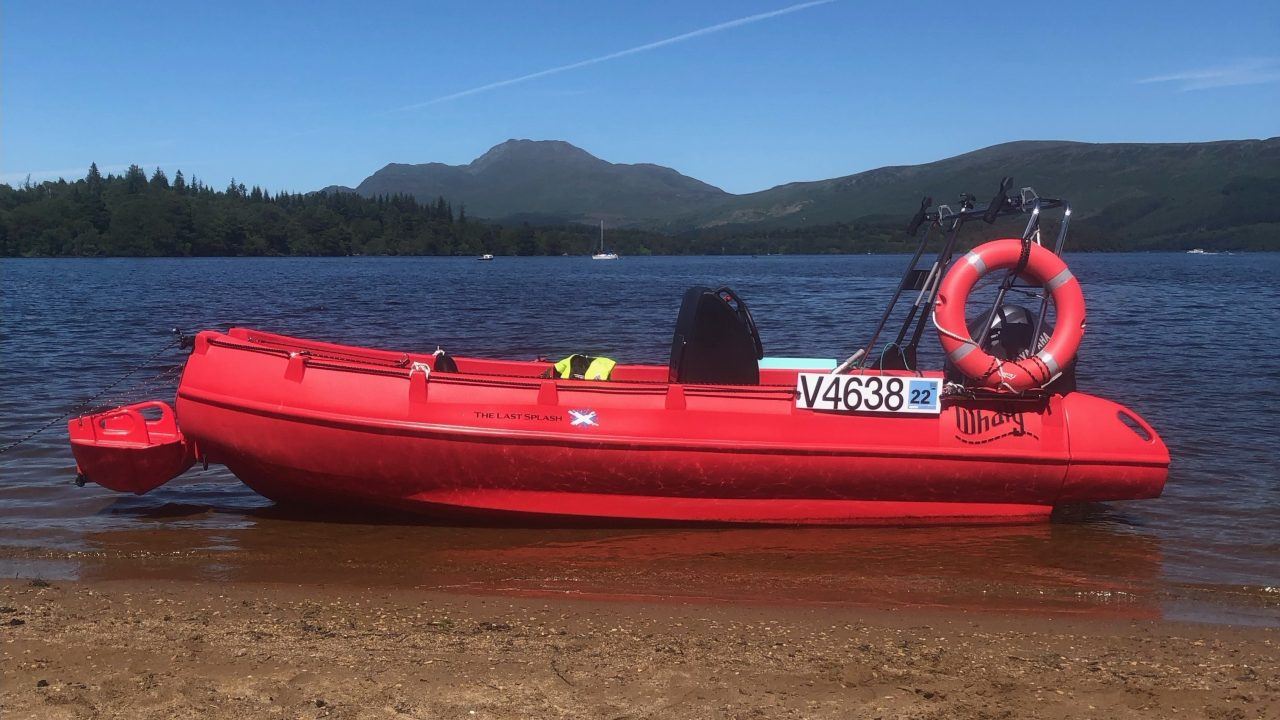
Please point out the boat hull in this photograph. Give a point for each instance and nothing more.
(325, 425)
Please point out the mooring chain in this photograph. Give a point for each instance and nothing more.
(164, 380)
(177, 341)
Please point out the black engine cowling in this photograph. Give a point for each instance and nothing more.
(1010, 338)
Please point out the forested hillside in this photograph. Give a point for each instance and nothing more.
(133, 215)
(1223, 196)
(1124, 195)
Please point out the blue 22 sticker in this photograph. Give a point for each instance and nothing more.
(922, 395)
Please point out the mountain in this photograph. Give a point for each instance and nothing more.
(549, 180)
(1123, 194)
(1146, 189)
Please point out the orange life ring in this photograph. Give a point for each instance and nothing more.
(1013, 375)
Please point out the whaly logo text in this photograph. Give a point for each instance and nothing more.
(983, 426)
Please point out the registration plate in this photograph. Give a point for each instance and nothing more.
(869, 393)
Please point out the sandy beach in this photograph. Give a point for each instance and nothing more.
(174, 649)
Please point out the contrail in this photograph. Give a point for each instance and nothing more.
(1256, 71)
(623, 53)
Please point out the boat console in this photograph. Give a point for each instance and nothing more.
(716, 341)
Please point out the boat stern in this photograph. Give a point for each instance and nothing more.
(135, 448)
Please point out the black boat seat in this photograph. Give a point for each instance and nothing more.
(444, 362)
(716, 341)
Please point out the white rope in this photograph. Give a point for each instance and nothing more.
(933, 315)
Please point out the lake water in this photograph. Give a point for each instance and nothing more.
(1187, 341)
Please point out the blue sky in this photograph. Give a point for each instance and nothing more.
(756, 93)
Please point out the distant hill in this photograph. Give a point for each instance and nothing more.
(1145, 190)
(1126, 194)
(551, 181)
(337, 189)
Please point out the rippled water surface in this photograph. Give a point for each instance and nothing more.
(1188, 341)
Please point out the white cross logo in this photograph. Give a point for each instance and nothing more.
(583, 418)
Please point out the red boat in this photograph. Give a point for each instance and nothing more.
(717, 435)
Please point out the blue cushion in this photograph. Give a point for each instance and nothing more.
(787, 363)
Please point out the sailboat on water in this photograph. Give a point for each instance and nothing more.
(603, 254)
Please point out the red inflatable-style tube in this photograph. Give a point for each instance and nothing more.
(1020, 375)
(321, 425)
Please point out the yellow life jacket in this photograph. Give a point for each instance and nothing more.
(585, 367)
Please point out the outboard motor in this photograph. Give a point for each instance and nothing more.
(716, 341)
(1010, 334)
(1010, 339)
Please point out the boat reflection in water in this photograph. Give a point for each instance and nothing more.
(1094, 567)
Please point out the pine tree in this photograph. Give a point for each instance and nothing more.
(179, 183)
(135, 180)
(94, 179)
(159, 181)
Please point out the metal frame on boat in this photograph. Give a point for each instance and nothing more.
(927, 281)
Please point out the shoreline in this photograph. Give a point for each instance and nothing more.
(167, 648)
(1093, 569)
(748, 584)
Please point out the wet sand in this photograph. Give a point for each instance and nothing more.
(174, 648)
(186, 612)
(1072, 568)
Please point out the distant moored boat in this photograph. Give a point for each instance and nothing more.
(603, 254)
